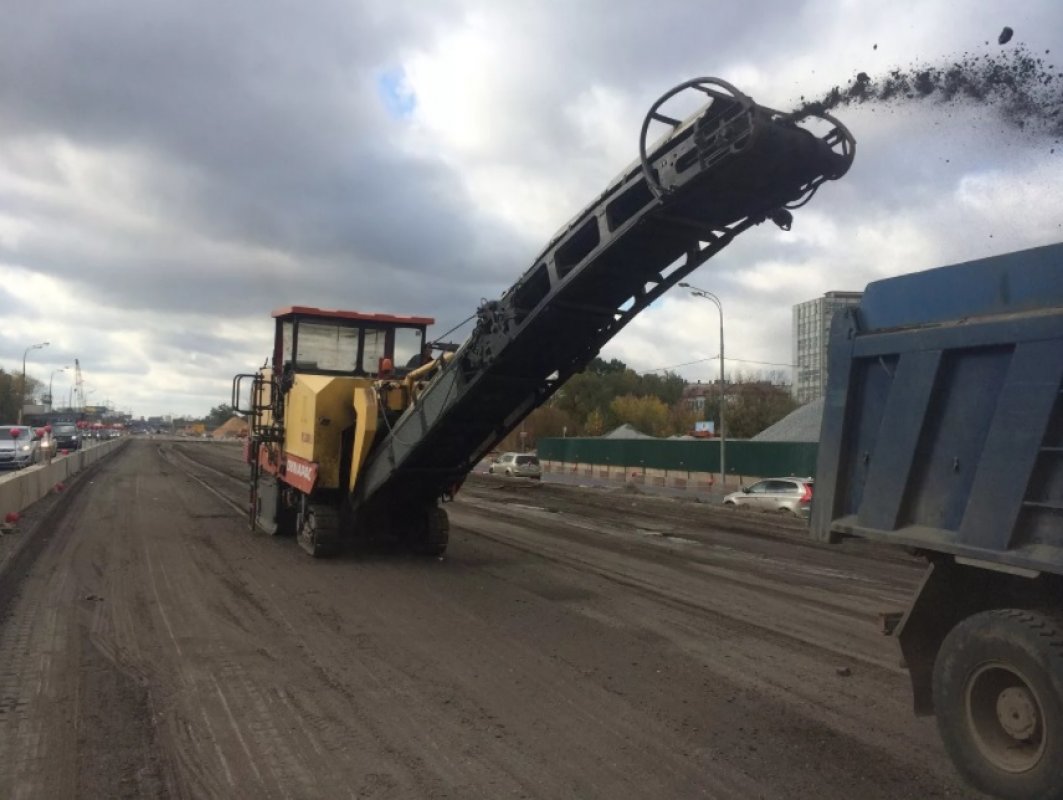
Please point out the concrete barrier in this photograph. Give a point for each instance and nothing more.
(19, 490)
(681, 480)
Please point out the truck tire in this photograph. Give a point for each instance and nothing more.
(998, 694)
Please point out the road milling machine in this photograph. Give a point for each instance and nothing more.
(359, 425)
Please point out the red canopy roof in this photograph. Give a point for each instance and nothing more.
(355, 315)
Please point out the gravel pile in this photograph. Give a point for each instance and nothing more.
(800, 425)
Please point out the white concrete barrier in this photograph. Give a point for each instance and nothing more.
(22, 488)
(640, 475)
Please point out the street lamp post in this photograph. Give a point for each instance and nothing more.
(51, 405)
(694, 290)
(22, 394)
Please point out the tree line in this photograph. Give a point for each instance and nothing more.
(12, 393)
(605, 395)
(609, 393)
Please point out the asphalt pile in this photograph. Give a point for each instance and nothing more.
(1022, 87)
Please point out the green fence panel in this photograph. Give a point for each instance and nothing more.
(744, 457)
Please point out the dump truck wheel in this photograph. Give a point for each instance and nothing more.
(998, 693)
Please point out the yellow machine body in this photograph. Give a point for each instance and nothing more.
(337, 377)
(319, 409)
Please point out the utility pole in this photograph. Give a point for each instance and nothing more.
(22, 389)
(51, 404)
(707, 295)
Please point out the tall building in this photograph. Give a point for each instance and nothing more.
(811, 332)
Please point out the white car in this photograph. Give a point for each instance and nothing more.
(21, 446)
(516, 465)
(793, 495)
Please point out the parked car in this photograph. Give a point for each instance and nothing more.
(516, 465)
(20, 446)
(67, 436)
(793, 495)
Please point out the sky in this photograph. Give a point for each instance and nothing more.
(172, 171)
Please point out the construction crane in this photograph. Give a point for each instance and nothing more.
(359, 427)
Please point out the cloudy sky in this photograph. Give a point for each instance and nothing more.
(171, 171)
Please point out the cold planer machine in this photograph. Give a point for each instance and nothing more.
(359, 426)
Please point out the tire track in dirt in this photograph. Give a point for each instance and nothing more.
(81, 724)
(747, 667)
(494, 672)
(745, 602)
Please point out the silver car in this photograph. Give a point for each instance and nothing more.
(20, 446)
(516, 465)
(792, 495)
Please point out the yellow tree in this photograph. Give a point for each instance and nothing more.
(681, 419)
(647, 414)
(595, 424)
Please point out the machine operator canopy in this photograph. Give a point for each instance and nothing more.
(333, 342)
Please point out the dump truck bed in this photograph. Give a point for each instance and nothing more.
(943, 419)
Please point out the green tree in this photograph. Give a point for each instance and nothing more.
(753, 405)
(583, 393)
(218, 416)
(9, 396)
(667, 387)
(594, 390)
(13, 394)
(598, 366)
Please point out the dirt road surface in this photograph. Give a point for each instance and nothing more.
(572, 644)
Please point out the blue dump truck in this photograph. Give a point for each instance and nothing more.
(943, 434)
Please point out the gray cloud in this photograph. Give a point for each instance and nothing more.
(176, 163)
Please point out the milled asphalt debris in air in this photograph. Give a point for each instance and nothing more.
(1022, 89)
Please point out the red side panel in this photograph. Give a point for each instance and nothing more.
(300, 473)
(294, 471)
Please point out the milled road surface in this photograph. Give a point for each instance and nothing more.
(572, 644)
